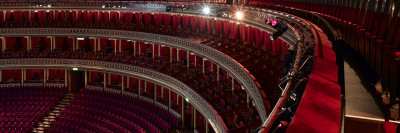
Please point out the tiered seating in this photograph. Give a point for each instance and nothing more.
(325, 69)
(265, 67)
(119, 113)
(22, 108)
(370, 34)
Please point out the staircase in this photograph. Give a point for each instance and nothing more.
(52, 115)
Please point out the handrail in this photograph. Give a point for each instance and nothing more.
(274, 113)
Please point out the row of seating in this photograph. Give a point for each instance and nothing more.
(324, 73)
(148, 61)
(121, 113)
(22, 108)
(370, 34)
(252, 56)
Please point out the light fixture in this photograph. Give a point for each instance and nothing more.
(239, 15)
(277, 34)
(187, 100)
(75, 69)
(80, 38)
(206, 10)
(273, 22)
(103, 6)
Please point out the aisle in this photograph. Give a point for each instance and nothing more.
(359, 98)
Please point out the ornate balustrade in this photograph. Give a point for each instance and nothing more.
(226, 63)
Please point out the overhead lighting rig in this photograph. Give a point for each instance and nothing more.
(115, 5)
(40, 4)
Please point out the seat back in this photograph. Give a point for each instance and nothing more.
(392, 29)
(360, 17)
(367, 22)
(383, 25)
(375, 24)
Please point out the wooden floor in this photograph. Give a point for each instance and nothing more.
(363, 110)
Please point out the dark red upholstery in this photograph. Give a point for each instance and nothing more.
(389, 127)
(319, 109)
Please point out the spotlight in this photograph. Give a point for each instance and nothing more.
(206, 10)
(278, 33)
(273, 22)
(103, 6)
(239, 15)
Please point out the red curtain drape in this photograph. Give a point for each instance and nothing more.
(132, 82)
(124, 44)
(112, 16)
(56, 74)
(241, 32)
(8, 16)
(42, 16)
(143, 47)
(227, 27)
(175, 21)
(96, 16)
(59, 41)
(174, 53)
(129, 17)
(122, 16)
(32, 18)
(250, 35)
(196, 21)
(185, 21)
(90, 16)
(178, 20)
(167, 19)
(26, 16)
(1, 16)
(212, 24)
(101, 16)
(18, 15)
(156, 18)
(234, 30)
(138, 18)
(79, 17)
(285, 47)
(192, 23)
(74, 18)
(116, 17)
(67, 16)
(147, 18)
(276, 47)
(160, 18)
(103, 43)
(164, 51)
(106, 17)
(30, 73)
(53, 15)
(261, 40)
(218, 27)
(35, 41)
(203, 24)
(10, 42)
(119, 16)
(208, 22)
(61, 16)
(267, 42)
(257, 36)
(182, 54)
(86, 16)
